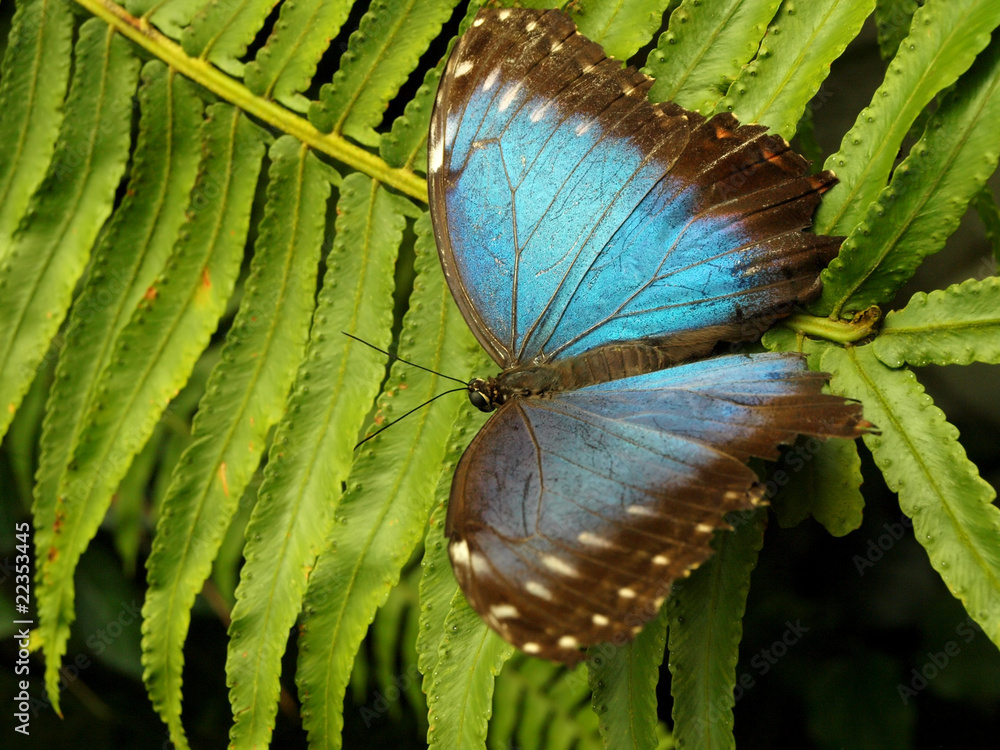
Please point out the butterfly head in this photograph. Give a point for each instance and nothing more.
(485, 395)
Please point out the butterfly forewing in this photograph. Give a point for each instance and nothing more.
(556, 186)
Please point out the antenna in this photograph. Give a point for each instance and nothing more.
(465, 387)
(411, 364)
(415, 408)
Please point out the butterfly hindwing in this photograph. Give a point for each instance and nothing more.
(556, 186)
(570, 516)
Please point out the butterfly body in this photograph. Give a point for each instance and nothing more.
(601, 248)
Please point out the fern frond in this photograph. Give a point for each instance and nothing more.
(156, 351)
(623, 678)
(132, 252)
(245, 397)
(380, 55)
(285, 66)
(312, 449)
(389, 495)
(927, 197)
(50, 249)
(704, 48)
(622, 29)
(35, 72)
(793, 61)
(953, 326)
(939, 487)
(945, 37)
(706, 613)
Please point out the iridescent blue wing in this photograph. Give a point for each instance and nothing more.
(570, 212)
(570, 516)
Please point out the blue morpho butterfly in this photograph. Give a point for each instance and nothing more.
(599, 247)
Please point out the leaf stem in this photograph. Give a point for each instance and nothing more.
(204, 73)
(840, 331)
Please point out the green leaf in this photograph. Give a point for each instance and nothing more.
(312, 449)
(389, 495)
(244, 398)
(706, 612)
(953, 326)
(946, 36)
(39, 270)
(927, 198)
(380, 55)
(35, 70)
(131, 253)
(406, 144)
(437, 582)
(704, 48)
(460, 698)
(172, 16)
(621, 28)
(222, 31)
(892, 19)
(623, 677)
(794, 59)
(152, 358)
(286, 64)
(822, 479)
(939, 488)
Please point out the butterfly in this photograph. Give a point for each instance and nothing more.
(601, 248)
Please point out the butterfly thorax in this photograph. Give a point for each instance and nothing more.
(598, 365)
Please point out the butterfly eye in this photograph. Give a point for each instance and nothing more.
(478, 397)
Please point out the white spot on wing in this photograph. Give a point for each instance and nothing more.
(626, 593)
(703, 528)
(479, 564)
(593, 540)
(509, 97)
(537, 589)
(599, 620)
(436, 160)
(539, 112)
(504, 14)
(459, 552)
(568, 641)
(463, 68)
(639, 510)
(531, 26)
(478, 22)
(661, 560)
(559, 565)
(583, 127)
(531, 648)
(504, 611)
(491, 79)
